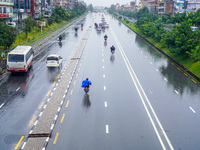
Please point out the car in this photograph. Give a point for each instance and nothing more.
(54, 60)
(11, 24)
(107, 25)
(102, 19)
(194, 28)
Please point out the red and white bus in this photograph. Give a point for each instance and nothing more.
(20, 59)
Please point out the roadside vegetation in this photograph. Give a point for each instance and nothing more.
(180, 42)
(9, 37)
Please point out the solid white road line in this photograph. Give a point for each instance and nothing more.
(1, 105)
(142, 94)
(192, 110)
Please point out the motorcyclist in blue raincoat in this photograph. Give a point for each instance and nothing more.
(86, 83)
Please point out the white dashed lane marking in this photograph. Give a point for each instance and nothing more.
(17, 88)
(107, 129)
(106, 105)
(192, 110)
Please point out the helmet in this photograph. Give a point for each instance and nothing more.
(86, 78)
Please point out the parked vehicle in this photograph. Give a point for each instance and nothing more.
(54, 60)
(46, 14)
(20, 59)
(11, 24)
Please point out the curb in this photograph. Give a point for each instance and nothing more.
(184, 69)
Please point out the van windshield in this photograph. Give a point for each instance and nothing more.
(52, 58)
(15, 58)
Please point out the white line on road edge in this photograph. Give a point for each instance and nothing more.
(140, 92)
(176, 91)
(192, 110)
(165, 79)
(104, 88)
(107, 129)
(106, 105)
(17, 88)
(1, 105)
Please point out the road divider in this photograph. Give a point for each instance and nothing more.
(45, 123)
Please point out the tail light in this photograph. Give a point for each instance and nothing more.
(24, 66)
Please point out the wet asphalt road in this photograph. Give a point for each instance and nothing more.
(23, 95)
(138, 99)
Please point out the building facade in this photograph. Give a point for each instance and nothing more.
(6, 10)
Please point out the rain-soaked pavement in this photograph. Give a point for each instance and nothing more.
(139, 99)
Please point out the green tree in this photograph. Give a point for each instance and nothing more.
(90, 7)
(112, 8)
(7, 35)
(29, 24)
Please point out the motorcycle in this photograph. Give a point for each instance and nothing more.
(112, 51)
(86, 89)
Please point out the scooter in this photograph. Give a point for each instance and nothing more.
(86, 89)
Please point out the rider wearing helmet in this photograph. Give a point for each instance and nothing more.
(105, 37)
(60, 37)
(112, 48)
(86, 83)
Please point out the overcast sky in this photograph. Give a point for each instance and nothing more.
(106, 3)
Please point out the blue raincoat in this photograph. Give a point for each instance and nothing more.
(86, 83)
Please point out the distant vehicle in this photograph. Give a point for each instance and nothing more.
(194, 28)
(46, 14)
(11, 24)
(54, 60)
(20, 59)
(102, 19)
(98, 28)
(107, 25)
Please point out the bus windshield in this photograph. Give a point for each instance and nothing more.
(15, 58)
